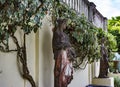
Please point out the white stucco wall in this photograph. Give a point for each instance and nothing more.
(95, 68)
(98, 21)
(40, 62)
(80, 78)
(45, 55)
(9, 74)
(46, 61)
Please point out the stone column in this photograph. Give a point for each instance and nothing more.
(105, 24)
(91, 8)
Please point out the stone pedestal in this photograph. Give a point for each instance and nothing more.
(103, 81)
(114, 75)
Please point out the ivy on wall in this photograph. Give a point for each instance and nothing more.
(110, 42)
(85, 37)
(27, 15)
(82, 33)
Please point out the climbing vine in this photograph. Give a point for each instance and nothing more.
(110, 42)
(28, 15)
(24, 15)
(82, 33)
(85, 37)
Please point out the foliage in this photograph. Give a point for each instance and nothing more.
(111, 67)
(24, 13)
(82, 33)
(117, 82)
(110, 42)
(114, 29)
(85, 37)
(27, 15)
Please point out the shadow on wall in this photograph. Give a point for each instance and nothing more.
(47, 58)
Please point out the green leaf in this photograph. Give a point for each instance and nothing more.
(2, 1)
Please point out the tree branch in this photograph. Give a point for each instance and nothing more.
(16, 41)
(2, 49)
(22, 58)
(37, 9)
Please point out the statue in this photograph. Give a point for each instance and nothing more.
(64, 54)
(103, 61)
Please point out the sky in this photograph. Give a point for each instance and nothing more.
(108, 8)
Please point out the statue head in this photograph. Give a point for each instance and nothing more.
(62, 23)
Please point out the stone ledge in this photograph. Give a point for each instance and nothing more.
(103, 81)
(114, 75)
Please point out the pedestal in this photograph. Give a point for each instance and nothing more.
(103, 81)
(114, 75)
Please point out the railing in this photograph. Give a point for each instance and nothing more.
(89, 10)
(74, 4)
